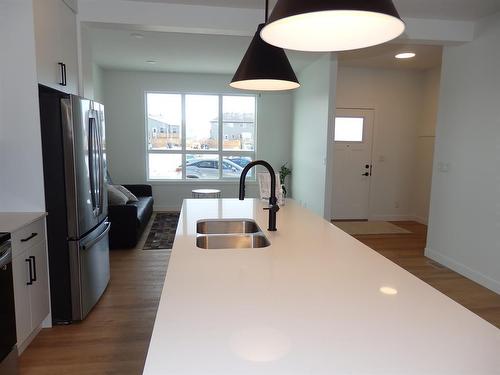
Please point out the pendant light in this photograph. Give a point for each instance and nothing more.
(332, 25)
(264, 67)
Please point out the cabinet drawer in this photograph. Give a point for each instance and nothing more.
(28, 236)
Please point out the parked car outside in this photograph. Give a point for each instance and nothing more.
(242, 161)
(209, 169)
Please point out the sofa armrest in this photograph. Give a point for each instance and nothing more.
(122, 211)
(140, 190)
(124, 224)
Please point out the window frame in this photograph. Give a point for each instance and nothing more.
(220, 152)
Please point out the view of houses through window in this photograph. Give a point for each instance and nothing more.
(199, 136)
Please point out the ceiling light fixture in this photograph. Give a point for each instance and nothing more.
(151, 61)
(137, 35)
(405, 55)
(332, 25)
(264, 67)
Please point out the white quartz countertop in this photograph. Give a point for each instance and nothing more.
(12, 221)
(308, 304)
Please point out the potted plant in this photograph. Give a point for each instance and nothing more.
(284, 172)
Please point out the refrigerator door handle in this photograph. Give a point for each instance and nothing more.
(93, 168)
(98, 238)
(101, 169)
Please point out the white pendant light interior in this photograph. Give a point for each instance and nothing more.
(332, 30)
(265, 85)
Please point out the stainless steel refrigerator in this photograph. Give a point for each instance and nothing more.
(74, 160)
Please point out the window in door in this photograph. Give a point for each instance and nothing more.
(349, 129)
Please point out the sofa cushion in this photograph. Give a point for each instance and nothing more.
(131, 197)
(116, 197)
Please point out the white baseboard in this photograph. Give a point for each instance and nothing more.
(462, 269)
(47, 322)
(21, 347)
(391, 217)
(421, 220)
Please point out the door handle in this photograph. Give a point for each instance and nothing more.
(30, 270)
(366, 174)
(32, 257)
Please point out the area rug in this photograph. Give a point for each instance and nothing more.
(162, 232)
(369, 227)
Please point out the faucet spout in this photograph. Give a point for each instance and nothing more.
(273, 206)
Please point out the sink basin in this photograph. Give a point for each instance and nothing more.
(227, 226)
(233, 241)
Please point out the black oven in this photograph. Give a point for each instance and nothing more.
(8, 352)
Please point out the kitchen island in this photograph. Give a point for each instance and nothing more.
(316, 301)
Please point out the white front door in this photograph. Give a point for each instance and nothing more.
(352, 165)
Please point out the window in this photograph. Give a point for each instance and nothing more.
(207, 137)
(349, 129)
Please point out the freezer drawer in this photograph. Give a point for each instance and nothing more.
(89, 270)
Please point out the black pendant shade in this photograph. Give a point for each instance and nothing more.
(332, 25)
(264, 68)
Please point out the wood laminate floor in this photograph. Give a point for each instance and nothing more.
(407, 251)
(114, 338)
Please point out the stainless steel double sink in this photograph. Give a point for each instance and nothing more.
(229, 234)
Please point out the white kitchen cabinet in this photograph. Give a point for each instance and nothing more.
(56, 42)
(31, 281)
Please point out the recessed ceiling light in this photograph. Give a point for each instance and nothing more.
(137, 35)
(151, 61)
(405, 55)
(388, 290)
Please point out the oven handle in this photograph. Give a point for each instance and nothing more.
(6, 258)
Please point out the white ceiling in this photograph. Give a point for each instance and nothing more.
(221, 54)
(113, 47)
(382, 56)
(175, 52)
(438, 9)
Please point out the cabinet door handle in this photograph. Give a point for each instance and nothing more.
(31, 272)
(29, 237)
(33, 258)
(63, 73)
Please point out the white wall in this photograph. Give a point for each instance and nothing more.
(425, 144)
(97, 73)
(396, 96)
(123, 95)
(21, 181)
(313, 105)
(91, 73)
(86, 63)
(465, 205)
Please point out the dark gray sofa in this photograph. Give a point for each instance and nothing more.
(128, 221)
